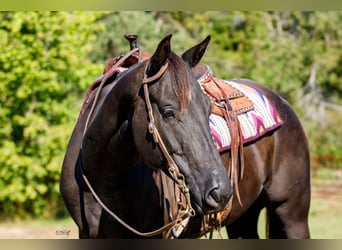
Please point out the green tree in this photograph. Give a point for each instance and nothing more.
(44, 69)
(150, 27)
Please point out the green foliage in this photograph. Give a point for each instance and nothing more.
(274, 48)
(43, 71)
(150, 27)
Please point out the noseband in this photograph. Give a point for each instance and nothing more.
(176, 175)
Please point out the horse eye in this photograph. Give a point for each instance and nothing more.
(167, 113)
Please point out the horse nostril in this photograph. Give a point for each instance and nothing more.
(215, 194)
(216, 199)
(213, 198)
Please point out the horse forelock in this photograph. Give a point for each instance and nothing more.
(180, 78)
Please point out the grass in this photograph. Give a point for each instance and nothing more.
(39, 229)
(326, 220)
(326, 213)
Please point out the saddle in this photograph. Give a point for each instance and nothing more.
(218, 91)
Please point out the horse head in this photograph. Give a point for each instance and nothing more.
(180, 113)
(158, 106)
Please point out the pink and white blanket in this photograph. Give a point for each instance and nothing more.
(253, 124)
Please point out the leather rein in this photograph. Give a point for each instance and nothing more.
(176, 175)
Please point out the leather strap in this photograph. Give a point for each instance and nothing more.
(173, 169)
(155, 76)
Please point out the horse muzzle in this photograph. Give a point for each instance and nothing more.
(214, 199)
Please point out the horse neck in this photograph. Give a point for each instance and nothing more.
(116, 165)
(121, 179)
(107, 143)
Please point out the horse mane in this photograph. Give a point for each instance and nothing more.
(180, 78)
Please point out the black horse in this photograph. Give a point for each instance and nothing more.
(276, 173)
(153, 117)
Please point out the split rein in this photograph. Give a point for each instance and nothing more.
(177, 176)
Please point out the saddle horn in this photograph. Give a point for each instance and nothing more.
(132, 38)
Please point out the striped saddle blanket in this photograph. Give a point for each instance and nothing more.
(254, 123)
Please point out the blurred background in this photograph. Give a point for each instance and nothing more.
(49, 59)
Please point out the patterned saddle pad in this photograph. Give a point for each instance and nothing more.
(253, 123)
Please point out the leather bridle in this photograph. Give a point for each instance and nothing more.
(184, 213)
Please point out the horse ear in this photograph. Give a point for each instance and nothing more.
(193, 55)
(160, 56)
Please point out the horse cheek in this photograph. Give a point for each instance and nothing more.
(146, 148)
